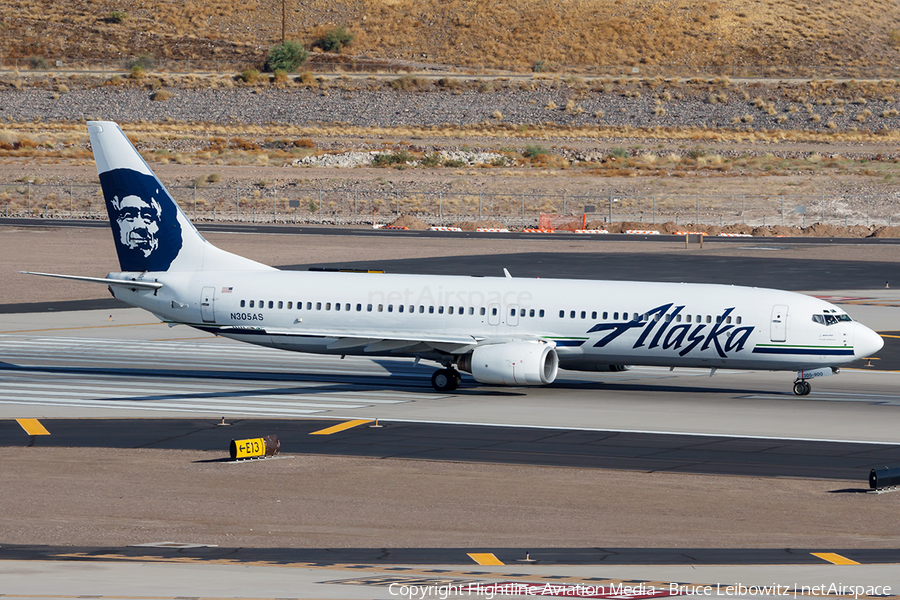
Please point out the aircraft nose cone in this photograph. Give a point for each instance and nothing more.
(866, 341)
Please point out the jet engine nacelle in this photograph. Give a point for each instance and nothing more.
(512, 363)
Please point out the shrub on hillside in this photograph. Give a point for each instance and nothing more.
(250, 76)
(533, 151)
(288, 57)
(144, 61)
(410, 82)
(160, 96)
(116, 16)
(335, 40)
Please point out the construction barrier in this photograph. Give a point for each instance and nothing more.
(642, 231)
(554, 222)
(591, 231)
(690, 233)
(735, 235)
(492, 230)
(445, 229)
(537, 231)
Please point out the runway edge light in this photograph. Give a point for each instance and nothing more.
(882, 479)
(261, 447)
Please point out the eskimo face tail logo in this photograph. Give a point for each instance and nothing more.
(144, 220)
(138, 222)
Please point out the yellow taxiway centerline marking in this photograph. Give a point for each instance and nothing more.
(485, 558)
(32, 427)
(341, 427)
(833, 558)
(897, 337)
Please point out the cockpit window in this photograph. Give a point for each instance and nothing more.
(830, 319)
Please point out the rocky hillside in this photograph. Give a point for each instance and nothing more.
(579, 33)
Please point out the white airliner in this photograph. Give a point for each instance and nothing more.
(502, 330)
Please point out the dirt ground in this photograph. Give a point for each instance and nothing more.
(61, 496)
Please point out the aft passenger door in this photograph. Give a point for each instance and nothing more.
(779, 323)
(207, 305)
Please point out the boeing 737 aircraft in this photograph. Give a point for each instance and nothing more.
(502, 330)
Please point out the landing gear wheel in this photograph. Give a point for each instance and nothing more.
(802, 388)
(445, 380)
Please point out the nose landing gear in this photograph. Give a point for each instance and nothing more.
(802, 387)
(446, 380)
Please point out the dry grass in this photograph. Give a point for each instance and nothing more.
(576, 32)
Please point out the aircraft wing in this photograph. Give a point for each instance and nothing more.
(383, 341)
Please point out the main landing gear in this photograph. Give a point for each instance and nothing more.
(446, 380)
(802, 387)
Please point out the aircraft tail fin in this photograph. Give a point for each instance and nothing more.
(151, 232)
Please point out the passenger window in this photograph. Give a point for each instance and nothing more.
(280, 304)
(522, 312)
(243, 302)
(421, 309)
(412, 308)
(430, 310)
(728, 320)
(594, 314)
(493, 312)
(562, 314)
(512, 312)
(390, 308)
(584, 314)
(400, 308)
(368, 308)
(450, 310)
(482, 311)
(678, 318)
(337, 306)
(738, 320)
(318, 306)
(347, 306)
(262, 303)
(290, 305)
(381, 308)
(271, 304)
(718, 319)
(708, 319)
(471, 310)
(440, 310)
(605, 315)
(359, 308)
(462, 310)
(309, 306)
(615, 316)
(541, 313)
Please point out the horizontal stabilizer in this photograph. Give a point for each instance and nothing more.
(127, 283)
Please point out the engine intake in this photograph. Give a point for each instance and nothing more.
(512, 363)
